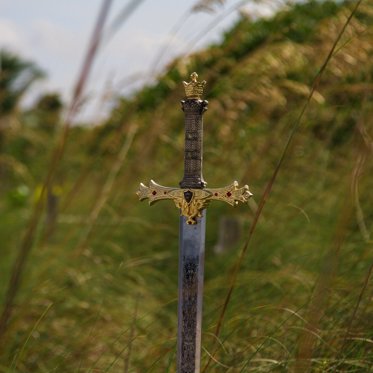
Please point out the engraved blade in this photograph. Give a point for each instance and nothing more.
(191, 275)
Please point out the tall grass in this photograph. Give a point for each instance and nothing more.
(289, 114)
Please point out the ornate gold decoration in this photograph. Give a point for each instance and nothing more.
(194, 89)
(191, 202)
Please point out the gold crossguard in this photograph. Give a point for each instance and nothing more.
(191, 202)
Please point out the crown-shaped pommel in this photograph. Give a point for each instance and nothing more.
(194, 89)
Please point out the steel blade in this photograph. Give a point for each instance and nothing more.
(191, 275)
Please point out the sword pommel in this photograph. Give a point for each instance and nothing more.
(194, 89)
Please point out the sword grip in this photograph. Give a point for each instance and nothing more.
(193, 154)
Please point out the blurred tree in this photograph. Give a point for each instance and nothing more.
(46, 113)
(16, 77)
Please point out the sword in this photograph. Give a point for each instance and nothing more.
(192, 198)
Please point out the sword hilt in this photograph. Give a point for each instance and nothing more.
(193, 198)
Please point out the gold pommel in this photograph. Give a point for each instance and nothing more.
(194, 89)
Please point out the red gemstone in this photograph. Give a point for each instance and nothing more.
(154, 192)
(216, 194)
(164, 192)
(229, 194)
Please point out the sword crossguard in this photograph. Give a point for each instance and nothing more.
(191, 202)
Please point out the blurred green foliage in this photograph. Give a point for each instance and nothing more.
(16, 76)
(100, 287)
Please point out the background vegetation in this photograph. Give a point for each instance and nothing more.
(89, 275)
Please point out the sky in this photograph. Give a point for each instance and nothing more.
(54, 34)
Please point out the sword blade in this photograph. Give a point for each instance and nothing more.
(191, 274)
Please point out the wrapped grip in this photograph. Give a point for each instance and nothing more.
(193, 154)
